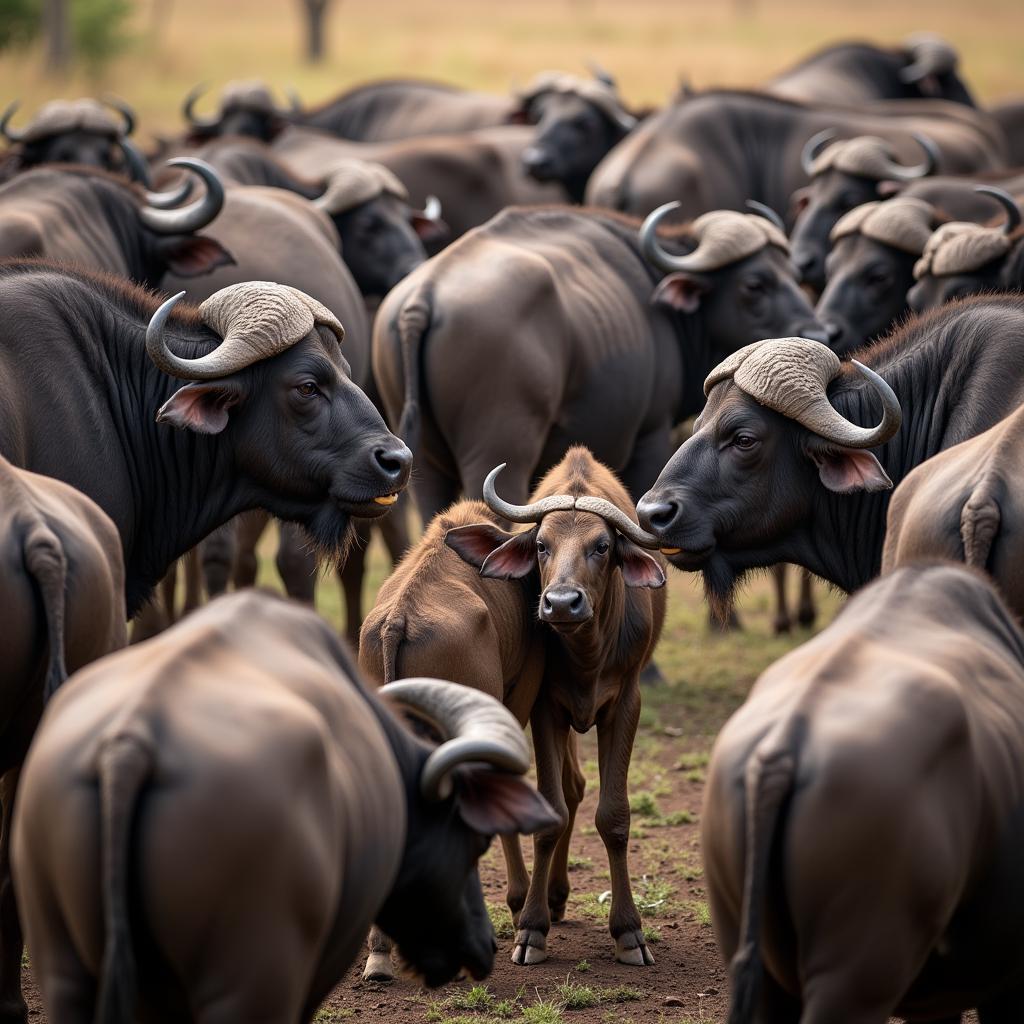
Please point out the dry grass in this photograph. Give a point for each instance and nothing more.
(650, 44)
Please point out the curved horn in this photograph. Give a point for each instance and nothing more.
(5, 129)
(651, 247)
(156, 346)
(124, 110)
(767, 212)
(532, 513)
(901, 172)
(194, 216)
(823, 419)
(929, 55)
(432, 208)
(134, 162)
(614, 516)
(478, 728)
(169, 200)
(813, 146)
(601, 74)
(1013, 214)
(188, 112)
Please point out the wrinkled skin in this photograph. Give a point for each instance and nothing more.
(818, 208)
(572, 137)
(866, 291)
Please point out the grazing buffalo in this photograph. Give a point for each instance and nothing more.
(965, 505)
(474, 175)
(924, 67)
(720, 148)
(73, 132)
(246, 108)
(871, 268)
(780, 467)
(962, 258)
(601, 605)
(862, 818)
(578, 122)
(437, 616)
(254, 380)
(62, 594)
(393, 109)
(568, 346)
(99, 220)
(164, 872)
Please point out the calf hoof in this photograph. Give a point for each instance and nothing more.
(378, 968)
(630, 948)
(531, 948)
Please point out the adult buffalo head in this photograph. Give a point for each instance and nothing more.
(308, 443)
(578, 121)
(844, 175)
(766, 441)
(246, 108)
(382, 236)
(962, 258)
(471, 788)
(737, 276)
(80, 132)
(574, 554)
(871, 268)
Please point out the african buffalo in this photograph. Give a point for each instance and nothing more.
(211, 821)
(861, 828)
(719, 148)
(245, 108)
(924, 67)
(62, 594)
(578, 121)
(965, 505)
(393, 109)
(1009, 115)
(568, 346)
(73, 132)
(962, 259)
(254, 380)
(779, 467)
(599, 593)
(102, 221)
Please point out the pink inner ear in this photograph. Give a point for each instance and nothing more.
(639, 569)
(515, 558)
(199, 407)
(429, 230)
(474, 543)
(845, 470)
(493, 803)
(193, 255)
(680, 292)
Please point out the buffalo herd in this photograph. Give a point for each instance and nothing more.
(754, 326)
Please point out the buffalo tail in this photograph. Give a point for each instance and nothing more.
(46, 564)
(413, 323)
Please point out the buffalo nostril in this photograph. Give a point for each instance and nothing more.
(657, 515)
(393, 462)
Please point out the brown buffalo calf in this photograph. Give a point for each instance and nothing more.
(212, 820)
(601, 611)
(862, 824)
(966, 504)
(62, 601)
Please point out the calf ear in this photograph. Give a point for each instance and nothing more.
(885, 189)
(429, 230)
(798, 202)
(845, 470)
(681, 291)
(495, 804)
(519, 116)
(194, 255)
(639, 569)
(499, 555)
(202, 407)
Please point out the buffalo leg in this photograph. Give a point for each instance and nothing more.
(217, 556)
(782, 622)
(193, 581)
(517, 877)
(296, 563)
(12, 1006)
(150, 619)
(351, 576)
(650, 453)
(378, 964)
(167, 592)
(550, 743)
(573, 786)
(806, 612)
(616, 730)
(433, 489)
(249, 527)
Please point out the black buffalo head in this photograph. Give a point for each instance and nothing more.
(246, 108)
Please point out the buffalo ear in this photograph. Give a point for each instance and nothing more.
(846, 470)
(681, 291)
(202, 406)
(495, 803)
(519, 116)
(885, 189)
(193, 255)
(498, 555)
(639, 569)
(430, 231)
(799, 201)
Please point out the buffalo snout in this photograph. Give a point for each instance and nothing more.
(810, 267)
(538, 163)
(565, 605)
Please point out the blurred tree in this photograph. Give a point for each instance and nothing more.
(19, 22)
(93, 30)
(100, 29)
(316, 16)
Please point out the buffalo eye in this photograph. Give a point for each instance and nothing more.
(877, 277)
(601, 547)
(307, 389)
(542, 548)
(744, 442)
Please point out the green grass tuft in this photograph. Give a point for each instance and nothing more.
(501, 921)
(644, 805)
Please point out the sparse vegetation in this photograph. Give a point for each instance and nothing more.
(501, 921)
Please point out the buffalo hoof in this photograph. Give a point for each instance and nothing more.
(630, 948)
(378, 968)
(531, 948)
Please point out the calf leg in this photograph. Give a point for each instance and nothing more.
(518, 878)
(616, 729)
(782, 622)
(13, 1009)
(806, 612)
(573, 786)
(351, 576)
(296, 563)
(249, 529)
(378, 964)
(550, 741)
(217, 554)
